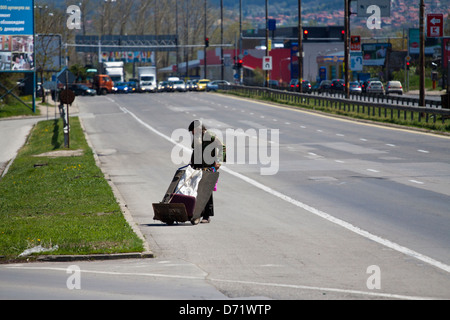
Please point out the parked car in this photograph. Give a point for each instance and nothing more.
(375, 87)
(394, 87)
(324, 86)
(355, 87)
(179, 85)
(201, 84)
(214, 85)
(82, 90)
(337, 85)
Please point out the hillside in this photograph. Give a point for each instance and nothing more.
(404, 13)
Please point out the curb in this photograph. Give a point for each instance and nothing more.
(95, 257)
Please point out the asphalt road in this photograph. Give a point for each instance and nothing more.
(317, 208)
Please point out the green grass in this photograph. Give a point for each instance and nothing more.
(16, 108)
(62, 201)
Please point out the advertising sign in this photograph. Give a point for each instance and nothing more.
(17, 35)
(431, 44)
(374, 54)
(355, 44)
(446, 52)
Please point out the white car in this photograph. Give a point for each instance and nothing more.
(394, 87)
(214, 85)
(375, 87)
(179, 85)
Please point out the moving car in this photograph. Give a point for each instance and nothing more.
(214, 85)
(365, 83)
(82, 90)
(394, 87)
(375, 87)
(337, 85)
(201, 84)
(179, 85)
(190, 85)
(165, 86)
(121, 87)
(355, 87)
(306, 85)
(324, 86)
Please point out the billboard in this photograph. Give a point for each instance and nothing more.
(17, 35)
(374, 54)
(432, 45)
(445, 52)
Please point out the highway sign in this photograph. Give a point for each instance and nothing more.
(267, 63)
(435, 25)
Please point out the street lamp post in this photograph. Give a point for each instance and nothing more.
(300, 47)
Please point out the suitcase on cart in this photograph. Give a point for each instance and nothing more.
(176, 207)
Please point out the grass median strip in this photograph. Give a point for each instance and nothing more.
(58, 198)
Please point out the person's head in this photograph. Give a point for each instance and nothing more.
(196, 125)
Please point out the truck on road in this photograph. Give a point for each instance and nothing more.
(103, 84)
(114, 69)
(147, 79)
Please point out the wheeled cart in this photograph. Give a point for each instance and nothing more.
(197, 186)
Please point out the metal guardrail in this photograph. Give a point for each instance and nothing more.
(380, 105)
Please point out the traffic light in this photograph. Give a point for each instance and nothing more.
(240, 63)
(342, 35)
(206, 42)
(305, 34)
(407, 65)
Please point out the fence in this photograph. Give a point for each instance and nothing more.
(386, 108)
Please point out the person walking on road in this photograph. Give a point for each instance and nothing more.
(207, 155)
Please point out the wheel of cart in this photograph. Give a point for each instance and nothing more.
(178, 207)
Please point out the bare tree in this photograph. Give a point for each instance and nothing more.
(49, 24)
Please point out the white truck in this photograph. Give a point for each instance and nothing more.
(115, 70)
(147, 79)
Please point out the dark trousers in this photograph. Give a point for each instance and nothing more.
(209, 209)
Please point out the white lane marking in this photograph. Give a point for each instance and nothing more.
(310, 209)
(267, 284)
(390, 145)
(415, 181)
(423, 151)
(372, 170)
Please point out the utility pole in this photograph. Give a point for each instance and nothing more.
(346, 45)
(176, 33)
(267, 41)
(221, 39)
(240, 40)
(422, 54)
(300, 47)
(204, 50)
